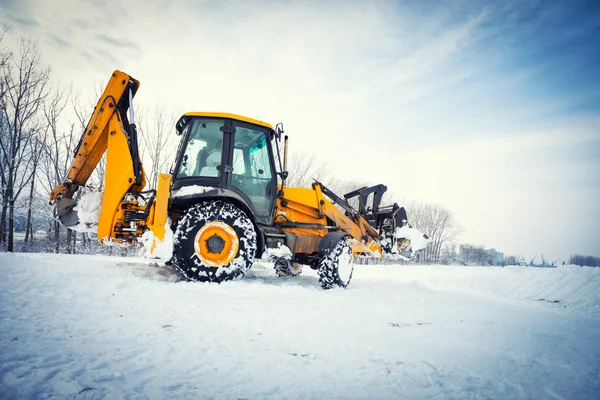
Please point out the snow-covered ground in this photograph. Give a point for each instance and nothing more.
(83, 327)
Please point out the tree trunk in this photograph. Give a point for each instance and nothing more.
(69, 241)
(11, 224)
(3, 223)
(56, 236)
(28, 226)
(31, 233)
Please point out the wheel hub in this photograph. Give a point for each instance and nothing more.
(215, 244)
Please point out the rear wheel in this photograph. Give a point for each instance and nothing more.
(335, 269)
(286, 267)
(215, 241)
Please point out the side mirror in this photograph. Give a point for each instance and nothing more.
(180, 125)
(279, 131)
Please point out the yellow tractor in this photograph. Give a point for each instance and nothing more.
(226, 198)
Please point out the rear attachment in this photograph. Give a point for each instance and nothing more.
(80, 215)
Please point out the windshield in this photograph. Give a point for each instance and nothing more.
(250, 159)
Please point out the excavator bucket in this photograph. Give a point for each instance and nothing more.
(65, 212)
(80, 214)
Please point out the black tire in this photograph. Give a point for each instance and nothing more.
(330, 273)
(187, 257)
(286, 267)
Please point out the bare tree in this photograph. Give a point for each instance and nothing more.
(24, 89)
(158, 141)
(4, 140)
(439, 224)
(589, 261)
(60, 140)
(304, 169)
(35, 161)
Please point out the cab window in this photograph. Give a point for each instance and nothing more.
(204, 149)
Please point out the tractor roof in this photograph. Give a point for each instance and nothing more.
(228, 115)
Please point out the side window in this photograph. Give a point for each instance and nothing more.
(191, 157)
(210, 159)
(259, 159)
(239, 166)
(179, 146)
(252, 172)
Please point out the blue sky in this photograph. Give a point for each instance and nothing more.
(491, 110)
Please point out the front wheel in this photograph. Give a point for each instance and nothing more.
(215, 241)
(335, 269)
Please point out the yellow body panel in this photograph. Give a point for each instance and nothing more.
(118, 179)
(302, 205)
(359, 247)
(228, 115)
(158, 215)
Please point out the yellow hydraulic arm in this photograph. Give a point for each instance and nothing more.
(123, 218)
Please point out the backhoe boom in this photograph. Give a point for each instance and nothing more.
(123, 216)
(113, 103)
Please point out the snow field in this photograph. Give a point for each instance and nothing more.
(99, 327)
(572, 286)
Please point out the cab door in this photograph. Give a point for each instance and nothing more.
(252, 168)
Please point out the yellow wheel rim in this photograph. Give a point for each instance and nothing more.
(216, 244)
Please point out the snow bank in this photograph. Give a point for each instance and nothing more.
(570, 286)
(280, 251)
(417, 239)
(162, 249)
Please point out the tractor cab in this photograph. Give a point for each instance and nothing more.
(226, 155)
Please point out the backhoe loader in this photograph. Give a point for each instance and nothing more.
(226, 198)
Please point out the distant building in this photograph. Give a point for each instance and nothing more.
(496, 257)
(477, 255)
